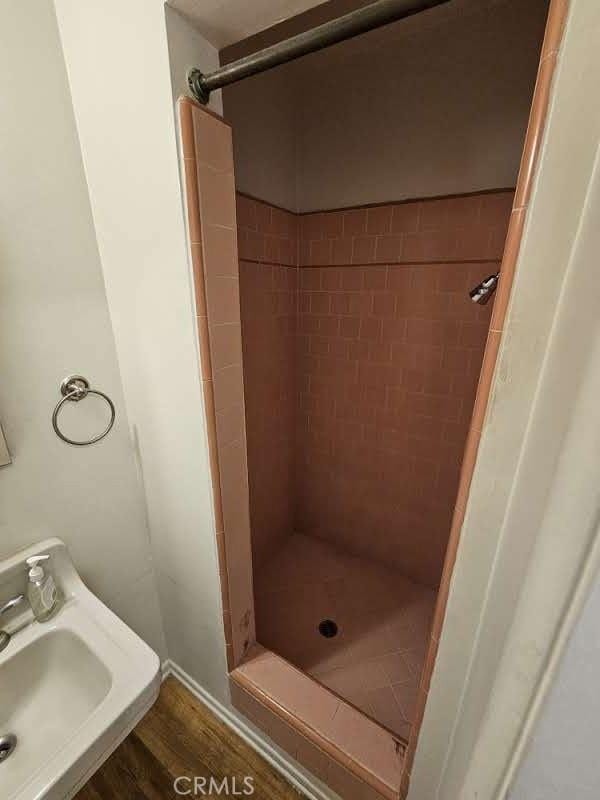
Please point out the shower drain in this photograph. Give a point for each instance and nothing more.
(328, 628)
(8, 742)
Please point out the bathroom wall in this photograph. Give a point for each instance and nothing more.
(558, 766)
(475, 63)
(149, 288)
(554, 767)
(132, 172)
(268, 247)
(187, 49)
(54, 320)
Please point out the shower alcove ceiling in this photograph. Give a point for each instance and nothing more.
(351, 328)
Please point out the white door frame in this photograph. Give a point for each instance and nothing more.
(529, 546)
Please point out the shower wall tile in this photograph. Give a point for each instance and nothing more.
(454, 228)
(388, 360)
(361, 372)
(268, 245)
(266, 233)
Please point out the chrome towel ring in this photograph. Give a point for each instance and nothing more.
(73, 389)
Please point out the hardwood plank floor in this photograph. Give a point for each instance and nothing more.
(179, 736)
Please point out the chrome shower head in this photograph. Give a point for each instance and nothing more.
(484, 290)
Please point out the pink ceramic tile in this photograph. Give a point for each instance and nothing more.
(246, 704)
(186, 127)
(382, 361)
(290, 688)
(388, 248)
(405, 218)
(332, 224)
(433, 215)
(223, 300)
(415, 660)
(312, 758)
(228, 386)
(246, 212)
(212, 224)
(496, 209)
(355, 222)
(220, 250)
(315, 582)
(341, 251)
(405, 695)
(394, 666)
(212, 139)
(388, 712)
(285, 736)
(217, 197)
(320, 251)
(349, 680)
(379, 219)
(367, 743)
(363, 251)
(230, 424)
(376, 278)
(225, 345)
(345, 783)
(241, 604)
(311, 226)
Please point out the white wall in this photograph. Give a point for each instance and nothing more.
(563, 757)
(133, 179)
(534, 505)
(435, 104)
(54, 321)
(132, 174)
(187, 49)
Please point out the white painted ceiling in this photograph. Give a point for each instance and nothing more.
(224, 22)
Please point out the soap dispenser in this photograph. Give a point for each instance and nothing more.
(42, 592)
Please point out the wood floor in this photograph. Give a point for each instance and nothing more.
(179, 736)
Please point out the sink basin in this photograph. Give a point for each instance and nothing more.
(71, 689)
(47, 691)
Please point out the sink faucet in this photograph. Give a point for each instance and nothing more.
(10, 604)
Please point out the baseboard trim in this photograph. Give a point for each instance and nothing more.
(284, 766)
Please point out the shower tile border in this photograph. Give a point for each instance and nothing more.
(284, 695)
(207, 153)
(459, 228)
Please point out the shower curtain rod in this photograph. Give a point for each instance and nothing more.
(356, 22)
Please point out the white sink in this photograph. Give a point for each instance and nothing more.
(71, 689)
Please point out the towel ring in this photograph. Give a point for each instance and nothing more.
(73, 389)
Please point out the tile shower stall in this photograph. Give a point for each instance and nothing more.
(346, 370)
(361, 356)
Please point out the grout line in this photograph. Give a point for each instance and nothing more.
(224, 227)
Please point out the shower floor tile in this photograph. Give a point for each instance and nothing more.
(383, 619)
